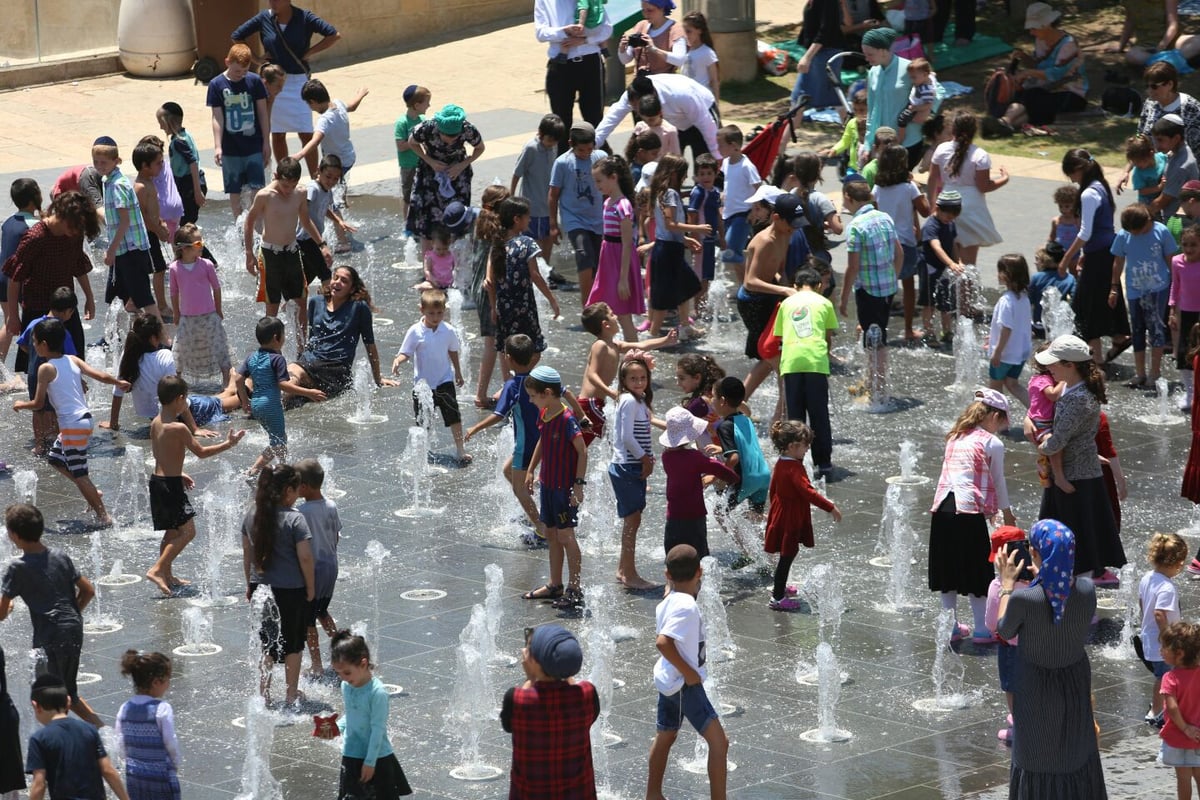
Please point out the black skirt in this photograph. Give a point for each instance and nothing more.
(672, 281)
(1088, 513)
(1093, 317)
(388, 782)
(958, 551)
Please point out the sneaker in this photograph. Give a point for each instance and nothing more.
(791, 590)
(784, 604)
(1150, 716)
(1107, 578)
(959, 633)
(1194, 567)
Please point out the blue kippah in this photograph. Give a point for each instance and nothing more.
(545, 374)
(105, 140)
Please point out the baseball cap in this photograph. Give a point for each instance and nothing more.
(790, 210)
(1065, 348)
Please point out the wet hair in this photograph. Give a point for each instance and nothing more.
(24, 520)
(706, 161)
(807, 276)
(170, 388)
(137, 344)
(1077, 159)
(519, 348)
(311, 473)
(433, 299)
(807, 167)
(50, 332)
(697, 20)
(683, 562)
(145, 154)
(487, 223)
(623, 370)
(25, 192)
(785, 432)
(669, 175)
(288, 169)
(272, 73)
(78, 211)
(239, 54)
(552, 126)
(701, 366)
(649, 106)
(1166, 127)
(1068, 193)
(268, 329)
(64, 299)
(534, 386)
(1182, 639)
(593, 317)
(419, 95)
(858, 191)
(642, 142)
(50, 693)
(1135, 217)
(314, 91)
(963, 126)
(731, 390)
(1166, 550)
(730, 134)
(1162, 72)
(1138, 146)
(510, 209)
(330, 161)
(273, 481)
(615, 165)
(145, 668)
(893, 166)
(970, 418)
(348, 648)
(1016, 268)
(358, 289)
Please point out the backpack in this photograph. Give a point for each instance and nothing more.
(999, 92)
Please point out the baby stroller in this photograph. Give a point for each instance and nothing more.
(765, 143)
(846, 61)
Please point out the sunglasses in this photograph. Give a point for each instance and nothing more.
(196, 244)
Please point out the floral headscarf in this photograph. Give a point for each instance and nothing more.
(1056, 544)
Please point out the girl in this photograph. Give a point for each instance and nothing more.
(1158, 600)
(686, 469)
(673, 283)
(807, 168)
(696, 374)
(791, 497)
(1181, 649)
(1184, 303)
(1065, 227)
(643, 148)
(369, 765)
(512, 275)
(967, 168)
(1043, 392)
(277, 552)
(1006, 649)
(897, 195)
(846, 150)
(1010, 341)
(146, 729)
(439, 262)
(201, 347)
(970, 491)
(618, 279)
(702, 63)
(633, 460)
(485, 232)
(1191, 472)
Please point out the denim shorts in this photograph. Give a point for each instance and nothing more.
(690, 703)
(243, 172)
(1007, 666)
(1146, 320)
(629, 486)
(912, 260)
(1005, 371)
(737, 235)
(539, 228)
(1159, 668)
(1175, 756)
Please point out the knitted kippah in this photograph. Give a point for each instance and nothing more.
(545, 374)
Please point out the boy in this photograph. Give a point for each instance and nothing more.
(921, 97)
(128, 255)
(1047, 261)
(283, 211)
(59, 380)
(185, 163)
(738, 444)
(319, 194)
(873, 259)
(66, 756)
(332, 131)
(240, 122)
(1168, 135)
(533, 172)
(1189, 210)
(148, 161)
(267, 373)
(1147, 167)
(562, 456)
(679, 675)
(550, 718)
(650, 111)
(63, 308)
(416, 100)
(573, 191)
(321, 514)
(741, 181)
(432, 345)
(55, 594)
(807, 322)
(704, 208)
(942, 261)
(169, 505)
(27, 197)
(1146, 247)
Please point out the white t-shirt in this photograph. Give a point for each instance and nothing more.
(678, 618)
(429, 349)
(1014, 313)
(977, 160)
(152, 367)
(741, 179)
(697, 64)
(897, 202)
(334, 125)
(1156, 592)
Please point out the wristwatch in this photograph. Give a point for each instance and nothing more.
(580, 482)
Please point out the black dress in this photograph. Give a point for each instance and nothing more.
(12, 771)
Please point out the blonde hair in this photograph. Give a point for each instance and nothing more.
(971, 417)
(1166, 550)
(105, 151)
(433, 299)
(272, 73)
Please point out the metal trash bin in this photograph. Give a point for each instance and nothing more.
(215, 20)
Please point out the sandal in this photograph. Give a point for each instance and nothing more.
(1117, 349)
(1137, 383)
(544, 592)
(572, 598)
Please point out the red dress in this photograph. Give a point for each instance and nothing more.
(1191, 472)
(789, 518)
(1106, 449)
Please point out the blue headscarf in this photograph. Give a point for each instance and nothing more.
(1056, 544)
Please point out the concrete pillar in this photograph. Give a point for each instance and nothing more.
(732, 26)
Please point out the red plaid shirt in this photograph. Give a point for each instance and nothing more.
(44, 262)
(551, 723)
(967, 471)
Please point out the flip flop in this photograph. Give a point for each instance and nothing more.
(544, 592)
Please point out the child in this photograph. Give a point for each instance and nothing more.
(185, 161)
(12, 767)
(170, 508)
(807, 166)
(1043, 393)
(1168, 134)
(283, 211)
(679, 675)
(897, 195)
(369, 765)
(942, 262)
(201, 347)
(1158, 601)
(591, 14)
(1191, 471)
(641, 152)
(688, 470)
(1010, 339)
(1006, 649)
(274, 78)
(550, 717)
(650, 111)
(633, 461)
(741, 180)
(702, 64)
(481, 236)
(855, 131)
(332, 130)
(63, 308)
(266, 370)
(1180, 733)
(696, 374)
(573, 192)
(325, 525)
(1064, 228)
(146, 728)
(1047, 261)
(532, 170)
(432, 345)
(512, 275)
(66, 757)
(618, 281)
(1183, 300)
(416, 102)
(1189, 207)
(439, 263)
(704, 208)
(128, 254)
(1147, 167)
(885, 136)
(59, 381)
(672, 282)
(55, 594)
(738, 445)
(1146, 246)
(319, 193)
(240, 120)
(563, 464)
(149, 163)
(27, 197)
(789, 524)
(923, 95)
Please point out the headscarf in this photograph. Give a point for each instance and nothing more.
(666, 5)
(880, 38)
(450, 119)
(1056, 544)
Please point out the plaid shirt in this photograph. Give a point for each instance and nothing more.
(872, 235)
(44, 262)
(552, 748)
(967, 471)
(119, 193)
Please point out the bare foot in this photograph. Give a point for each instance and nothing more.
(1065, 485)
(635, 582)
(158, 581)
(176, 581)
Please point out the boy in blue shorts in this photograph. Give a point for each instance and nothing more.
(562, 456)
(704, 206)
(45, 425)
(238, 100)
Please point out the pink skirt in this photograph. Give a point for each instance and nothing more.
(608, 276)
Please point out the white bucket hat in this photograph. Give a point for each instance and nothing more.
(682, 427)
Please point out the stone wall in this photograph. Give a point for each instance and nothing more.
(62, 28)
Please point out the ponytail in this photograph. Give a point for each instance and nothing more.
(272, 483)
(137, 344)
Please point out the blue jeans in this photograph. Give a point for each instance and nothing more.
(737, 236)
(1146, 320)
(815, 83)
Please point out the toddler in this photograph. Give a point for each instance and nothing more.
(1010, 340)
(1044, 392)
(855, 131)
(1158, 600)
(1145, 247)
(1006, 651)
(63, 308)
(1064, 228)
(1147, 167)
(687, 470)
(146, 728)
(924, 92)
(1181, 696)
(201, 347)
(1047, 261)
(439, 263)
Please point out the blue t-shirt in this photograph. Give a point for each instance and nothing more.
(25, 340)
(333, 335)
(183, 153)
(11, 232)
(707, 204)
(240, 135)
(1042, 281)
(267, 369)
(1147, 179)
(514, 402)
(580, 204)
(1147, 259)
(297, 33)
(69, 750)
(943, 232)
(797, 253)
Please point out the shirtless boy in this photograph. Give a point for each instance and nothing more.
(148, 161)
(283, 210)
(169, 505)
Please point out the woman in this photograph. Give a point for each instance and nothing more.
(1153, 24)
(1054, 747)
(888, 86)
(1094, 317)
(336, 321)
(1163, 97)
(286, 33)
(821, 35)
(965, 167)
(1085, 508)
(658, 45)
(1056, 83)
(444, 172)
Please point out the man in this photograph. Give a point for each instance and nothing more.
(685, 104)
(576, 66)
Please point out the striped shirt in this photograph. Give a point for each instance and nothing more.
(872, 235)
(614, 213)
(559, 459)
(632, 430)
(118, 194)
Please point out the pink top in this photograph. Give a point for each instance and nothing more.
(614, 213)
(1041, 408)
(1185, 284)
(668, 134)
(440, 268)
(1181, 683)
(193, 285)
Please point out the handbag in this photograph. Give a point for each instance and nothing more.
(909, 46)
(288, 47)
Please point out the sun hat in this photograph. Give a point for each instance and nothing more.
(1065, 348)
(1038, 15)
(880, 38)
(682, 427)
(458, 217)
(557, 651)
(545, 374)
(992, 399)
(1003, 535)
(450, 119)
(790, 210)
(765, 193)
